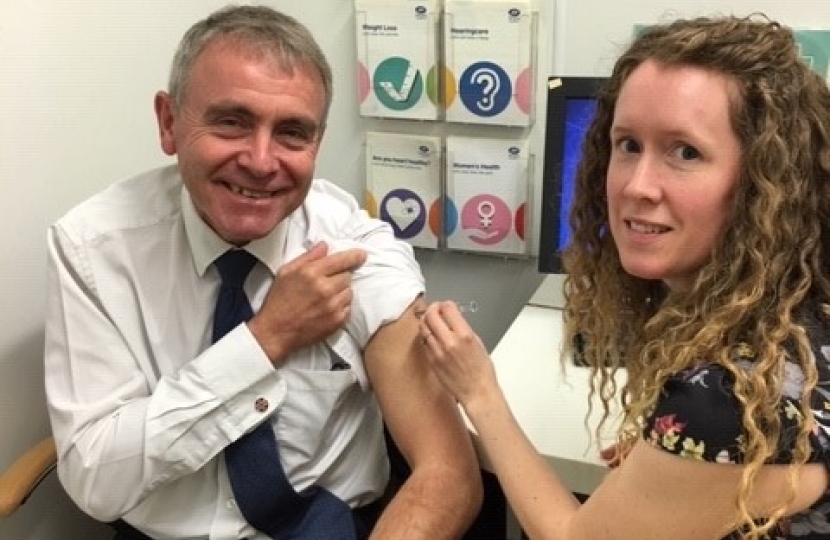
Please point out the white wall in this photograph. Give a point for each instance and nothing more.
(76, 85)
(590, 33)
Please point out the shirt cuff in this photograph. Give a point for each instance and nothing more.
(243, 378)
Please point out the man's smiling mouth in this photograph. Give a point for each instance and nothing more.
(251, 193)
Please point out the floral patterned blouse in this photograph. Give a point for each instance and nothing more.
(698, 417)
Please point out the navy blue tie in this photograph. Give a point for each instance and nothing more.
(232, 306)
(263, 493)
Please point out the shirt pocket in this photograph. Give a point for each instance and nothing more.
(307, 420)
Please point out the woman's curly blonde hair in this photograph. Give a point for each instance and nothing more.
(770, 260)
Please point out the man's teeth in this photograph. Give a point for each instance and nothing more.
(250, 193)
(645, 228)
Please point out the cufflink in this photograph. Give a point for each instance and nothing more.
(261, 404)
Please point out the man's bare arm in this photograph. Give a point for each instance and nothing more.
(443, 494)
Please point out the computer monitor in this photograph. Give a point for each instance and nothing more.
(571, 107)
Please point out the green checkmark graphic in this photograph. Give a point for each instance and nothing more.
(397, 83)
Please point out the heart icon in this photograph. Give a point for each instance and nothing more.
(403, 212)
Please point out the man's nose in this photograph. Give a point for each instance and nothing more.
(259, 156)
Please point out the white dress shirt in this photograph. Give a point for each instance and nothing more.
(142, 404)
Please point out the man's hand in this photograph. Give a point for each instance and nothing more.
(310, 299)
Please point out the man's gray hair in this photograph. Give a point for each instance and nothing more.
(262, 30)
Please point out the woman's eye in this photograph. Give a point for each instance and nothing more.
(628, 146)
(687, 153)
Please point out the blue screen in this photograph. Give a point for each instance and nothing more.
(578, 115)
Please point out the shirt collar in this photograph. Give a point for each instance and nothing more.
(206, 245)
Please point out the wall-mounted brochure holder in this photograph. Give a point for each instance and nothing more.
(398, 59)
(487, 187)
(815, 49)
(404, 185)
(490, 63)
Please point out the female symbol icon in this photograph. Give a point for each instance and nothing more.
(486, 210)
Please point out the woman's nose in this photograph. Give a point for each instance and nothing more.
(644, 179)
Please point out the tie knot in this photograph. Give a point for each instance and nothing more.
(234, 266)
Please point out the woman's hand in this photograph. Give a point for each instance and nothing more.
(456, 353)
(611, 456)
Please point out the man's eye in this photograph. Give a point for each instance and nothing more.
(296, 137)
(296, 134)
(230, 126)
(229, 121)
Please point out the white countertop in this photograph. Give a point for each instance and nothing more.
(550, 401)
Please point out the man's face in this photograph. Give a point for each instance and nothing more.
(246, 136)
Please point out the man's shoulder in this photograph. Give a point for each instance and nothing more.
(330, 207)
(327, 196)
(138, 201)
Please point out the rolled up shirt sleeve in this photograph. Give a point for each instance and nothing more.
(390, 279)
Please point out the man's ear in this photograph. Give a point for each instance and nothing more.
(164, 117)
(319, 139)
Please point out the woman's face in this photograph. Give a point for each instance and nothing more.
(674, 166)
